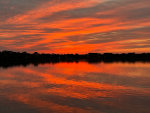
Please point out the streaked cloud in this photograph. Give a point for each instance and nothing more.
(72, 26)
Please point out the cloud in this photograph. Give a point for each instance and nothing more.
(70, 26)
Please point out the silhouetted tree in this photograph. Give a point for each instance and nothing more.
(10, 58)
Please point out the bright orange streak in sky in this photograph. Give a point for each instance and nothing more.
(72, 26)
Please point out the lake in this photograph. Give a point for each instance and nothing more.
(76, 88)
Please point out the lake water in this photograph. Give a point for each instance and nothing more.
(76, 88)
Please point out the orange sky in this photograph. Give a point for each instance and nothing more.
(75, 26)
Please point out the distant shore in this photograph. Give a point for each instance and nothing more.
(10, 58)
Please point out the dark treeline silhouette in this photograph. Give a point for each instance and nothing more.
(10, 58)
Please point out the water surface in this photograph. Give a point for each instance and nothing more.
(76, 88)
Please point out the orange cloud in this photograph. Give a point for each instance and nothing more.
(77, 27)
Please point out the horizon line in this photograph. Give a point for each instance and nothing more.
(75, 53)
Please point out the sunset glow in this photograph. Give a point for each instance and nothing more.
(75, 26)
(66, 87)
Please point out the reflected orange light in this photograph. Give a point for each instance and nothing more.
(61, 80)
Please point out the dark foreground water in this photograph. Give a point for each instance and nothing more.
(76, 88)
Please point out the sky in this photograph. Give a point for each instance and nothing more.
(75, 26)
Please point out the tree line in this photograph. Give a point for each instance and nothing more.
(10, 58)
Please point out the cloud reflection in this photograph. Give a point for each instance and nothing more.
(67, 87)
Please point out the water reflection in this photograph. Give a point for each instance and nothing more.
(76, 88)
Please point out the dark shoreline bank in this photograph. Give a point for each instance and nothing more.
(10, 58)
